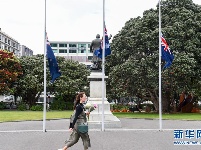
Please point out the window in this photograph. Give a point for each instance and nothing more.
(82, 50)
(90, 57)
(0, 37)
(89, 45)
(8, 42)
(54, 50)
(82, 45)
(62, 50)
(72, 45)
(72, 51)
(5, 40)
(53, 44)
(62, 45)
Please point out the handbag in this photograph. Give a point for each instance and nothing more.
(83, 128)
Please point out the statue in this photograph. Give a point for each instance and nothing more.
(96, 44)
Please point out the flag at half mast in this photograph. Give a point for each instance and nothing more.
(53, 66)
(167, 54)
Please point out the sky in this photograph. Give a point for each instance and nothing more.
(66, 20)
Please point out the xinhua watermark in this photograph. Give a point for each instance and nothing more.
(187, 137)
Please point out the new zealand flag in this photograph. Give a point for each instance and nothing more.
(53, 66)
(167, 54)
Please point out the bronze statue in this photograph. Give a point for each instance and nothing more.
(95, 44)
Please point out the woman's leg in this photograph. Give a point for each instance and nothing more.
(64, 148)
(85, 140)
(73, 139)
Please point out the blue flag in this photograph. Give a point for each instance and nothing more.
(98, 52)
(53, 66)
(167, 54)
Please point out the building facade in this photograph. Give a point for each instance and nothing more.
(25, 51)
(77, 51)
(9, 43)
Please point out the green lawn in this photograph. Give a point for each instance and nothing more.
(32, 115)
(6, 116)
(173, 116)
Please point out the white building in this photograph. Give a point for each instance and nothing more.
(77, 51)
(25, 51)
(9, 43)
(12, 45)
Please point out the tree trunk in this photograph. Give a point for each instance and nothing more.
(165, 104)
(154, 99)
(165, 101)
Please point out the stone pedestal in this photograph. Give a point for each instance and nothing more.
(95, 117)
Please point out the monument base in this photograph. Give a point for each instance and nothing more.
(95, 117)
(110, 121)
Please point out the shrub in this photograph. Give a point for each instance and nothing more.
(21, 106)
(2, 105)
(148, 106)
(58, 104)
(119, 107)
(70, 105)
(37, 108)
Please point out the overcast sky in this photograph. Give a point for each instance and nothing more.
(67, 20)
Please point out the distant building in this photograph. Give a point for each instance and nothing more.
(9, 43)
(12, 45)
(25, 51)
(76, 51)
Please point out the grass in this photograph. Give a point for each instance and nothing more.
(171, 116)
(6, 116)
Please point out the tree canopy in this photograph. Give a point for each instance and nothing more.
(10, 70)
(134, 62)
(30, 86)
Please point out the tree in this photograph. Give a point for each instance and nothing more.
(133, 65)
(10, 70)
(30, 85)
(73, 80)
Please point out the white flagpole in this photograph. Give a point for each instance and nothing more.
(103, 67)
(160, 97)
(45, 50)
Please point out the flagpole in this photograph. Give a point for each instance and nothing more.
(44, 93)
(103, 67)
(160, 97)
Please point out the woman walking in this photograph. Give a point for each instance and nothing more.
(80, 118)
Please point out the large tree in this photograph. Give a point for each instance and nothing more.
(10, 70)
(30, 86)
(133, 65)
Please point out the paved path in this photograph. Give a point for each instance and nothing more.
(141, 134)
